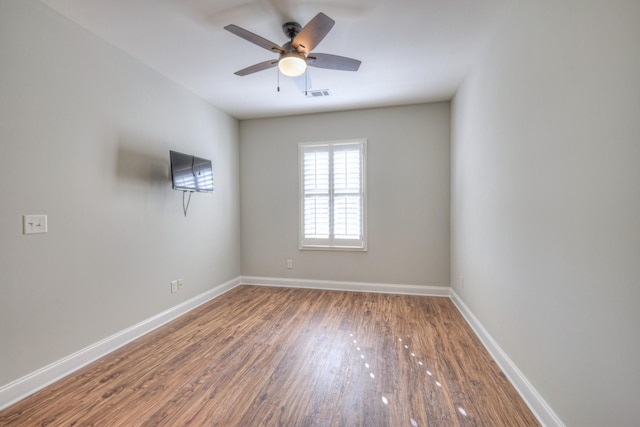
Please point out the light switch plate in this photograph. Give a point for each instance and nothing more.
(34, 224)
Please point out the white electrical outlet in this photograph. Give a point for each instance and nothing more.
(179, 284)
(174, 286)
(289, 264)
(461, 282)
(34, 224)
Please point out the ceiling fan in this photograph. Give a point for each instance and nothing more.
(295, 55)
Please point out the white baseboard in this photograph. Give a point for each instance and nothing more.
(423, 290)
(29, 384)
(532, 398)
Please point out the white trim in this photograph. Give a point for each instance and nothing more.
(29, 384)
(532, 398)
(385, 288)
(330, 243)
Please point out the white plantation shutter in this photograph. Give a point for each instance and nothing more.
(316, 194)
(346, 187)
(332, 195)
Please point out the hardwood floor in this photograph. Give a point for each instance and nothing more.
(260, 356)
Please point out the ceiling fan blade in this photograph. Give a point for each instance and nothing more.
(257, 67)
(303, 82)
(313, 33)
(333, 62)
(254, 38)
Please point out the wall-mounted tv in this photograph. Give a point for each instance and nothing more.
(191, 173)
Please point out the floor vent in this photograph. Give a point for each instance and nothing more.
(318, 93)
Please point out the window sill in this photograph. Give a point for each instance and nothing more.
(332, 248)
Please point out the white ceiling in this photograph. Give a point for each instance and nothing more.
(412, 51)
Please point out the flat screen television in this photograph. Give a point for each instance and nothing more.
(191, 173)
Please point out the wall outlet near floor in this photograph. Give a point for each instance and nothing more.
(289, 264)
(180, 284)
(174, 286)
(34, 224)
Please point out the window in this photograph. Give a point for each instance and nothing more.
(332, 195)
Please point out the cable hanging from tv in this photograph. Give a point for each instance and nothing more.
(186, 207)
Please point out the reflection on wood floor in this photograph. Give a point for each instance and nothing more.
(261, 356)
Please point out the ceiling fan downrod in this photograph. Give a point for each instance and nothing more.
(291, 29)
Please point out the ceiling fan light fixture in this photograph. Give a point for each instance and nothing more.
(292, 64)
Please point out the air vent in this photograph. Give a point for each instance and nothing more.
(318, 93)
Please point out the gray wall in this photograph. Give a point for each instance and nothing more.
(408, 196)
(84, 138)
(546, 202)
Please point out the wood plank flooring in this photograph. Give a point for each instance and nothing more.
(261, 356)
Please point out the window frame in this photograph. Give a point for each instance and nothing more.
(333, 244)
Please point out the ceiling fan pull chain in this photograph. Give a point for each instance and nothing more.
(278, 71)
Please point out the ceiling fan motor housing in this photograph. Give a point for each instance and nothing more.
(288, 48)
